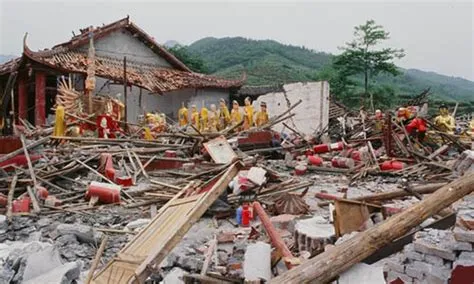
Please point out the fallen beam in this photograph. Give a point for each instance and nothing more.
(275, 237)
(329, 264)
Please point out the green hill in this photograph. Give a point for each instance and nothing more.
(269, 62)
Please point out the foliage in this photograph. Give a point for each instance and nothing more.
(269, 62)
(360, 56)
(193, 61)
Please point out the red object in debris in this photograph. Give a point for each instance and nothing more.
(42, 193)
(52, 201)
(392, 166)
(19, 160)
(21, 205)
(322, 195)
(324, 148)
(341, 162)
(246, 215)
(106, 126)
(170, 154)
(300, 170)
(3, 200)
(309, 152)
(107, 166)
(124, 181)
(107, 193)
(315, 160)
(356, 156)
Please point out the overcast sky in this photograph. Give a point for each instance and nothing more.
(436, 35)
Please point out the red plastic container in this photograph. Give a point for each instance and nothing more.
(107, 164)
(392, 166)
(170, 154)
(107, 193)
(124, 181)
(3, 200)
(246, 215)
(300, 170)
(341, 162)
(324, 148)
(356, 156)
(42, 193)
(315, 160)
(21, 205)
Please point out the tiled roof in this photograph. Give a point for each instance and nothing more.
(10, 66)
(153, 78)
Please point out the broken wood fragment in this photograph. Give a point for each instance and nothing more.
(34, 201)
(11, 192)
(97, 257)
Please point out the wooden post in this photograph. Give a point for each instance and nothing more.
(277, 241)
(329, 264)
(11, 192)
(30, 165)
(125, 89)
(22, 98)
(40, 98)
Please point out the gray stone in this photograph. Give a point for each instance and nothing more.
(414, 272)
(223, 257)
(462, 235)
(83, 233)
(175, 276)
(64, 274)
(426, 268)
(395, 266)
(435, 260)
(393, 275)
(3, 222)
(41, 262)
(257, 264)
(465, 259)
(362, 273)
(430, 249)
(136, 224)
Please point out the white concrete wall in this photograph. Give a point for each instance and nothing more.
(121, 43)
(311, 115)
(169, 103)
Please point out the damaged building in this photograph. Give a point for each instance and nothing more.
(156, 80)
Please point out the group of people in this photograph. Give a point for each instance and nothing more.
(213, 120)
(417, 126)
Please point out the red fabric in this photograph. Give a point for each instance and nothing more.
(416, 124)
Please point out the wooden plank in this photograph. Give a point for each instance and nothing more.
(350, 216)
(11, 191)
(30, 165)
(158, 238)
(97, 257)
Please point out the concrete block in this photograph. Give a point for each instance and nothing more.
(41, 262)
(395, 266)
(83, 233)
(392, 276)
(422, 247)
(438, 271)
(413, 272)
(464, 259)
(66, 273)
(362, 273)
(175, 276)
(284, 222)
(433, 259)
(257, 263)
(462, 235)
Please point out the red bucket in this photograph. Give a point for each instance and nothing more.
(315, 160)
(21, 205)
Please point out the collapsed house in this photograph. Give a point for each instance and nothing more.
(155, 79)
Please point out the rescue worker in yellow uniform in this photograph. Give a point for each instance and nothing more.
(213, 119)
(235, 115)
(224, 115)
(248, 113)
(444, 121)
(194, 117)
(203, 118)
(262, 115)
(183, 116)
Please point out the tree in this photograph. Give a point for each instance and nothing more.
(360, 56)
(193, 61)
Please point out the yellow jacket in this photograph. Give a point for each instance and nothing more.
(204, 117)
(262, 118)
(224, 117)
(195, 119)
(183, 116)
(248, 117)
(235, 116)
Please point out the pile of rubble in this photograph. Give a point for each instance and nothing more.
(225, 207)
